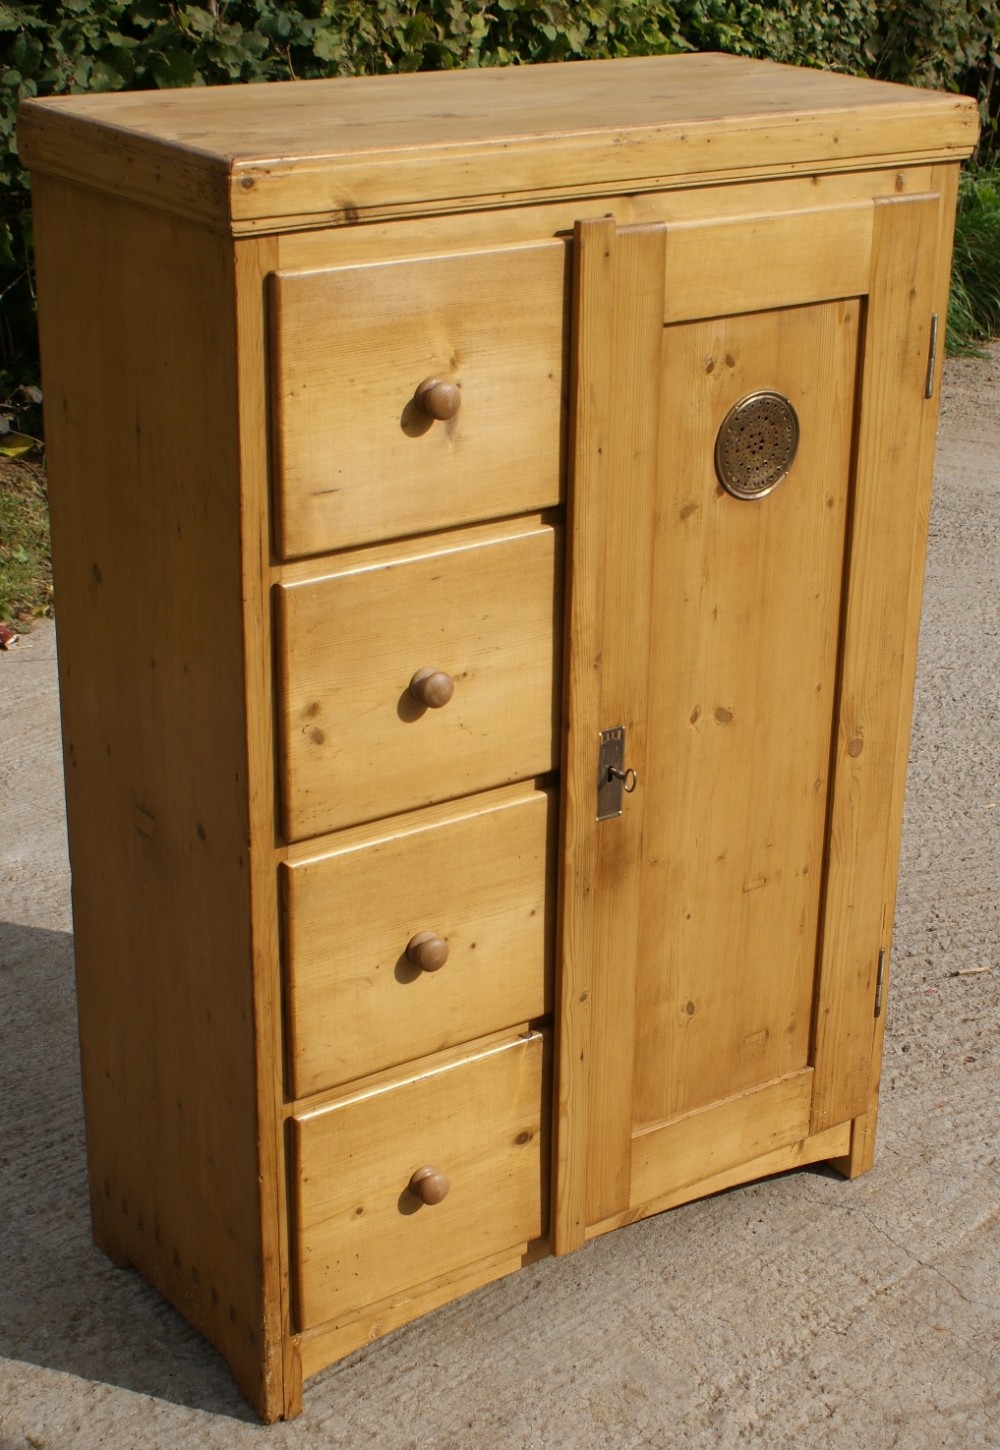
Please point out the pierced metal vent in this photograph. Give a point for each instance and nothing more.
(756, 444)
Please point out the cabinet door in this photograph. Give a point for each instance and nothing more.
(748, 509)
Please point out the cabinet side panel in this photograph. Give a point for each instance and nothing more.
(138, 340)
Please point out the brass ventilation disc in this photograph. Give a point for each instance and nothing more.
(756, 444)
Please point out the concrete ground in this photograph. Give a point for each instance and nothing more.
(801, 1311)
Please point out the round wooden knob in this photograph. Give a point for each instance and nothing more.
(432, 687)
(429, 1185)
(427, 950)
(438, 398)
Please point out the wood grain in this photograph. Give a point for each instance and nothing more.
(746, 610)
(434, 234)
(592, 380)
(324, 1345)
(355, 745)
(481, 874)
(826, 1146)
(615, 450)
(356, 458)
(891, 499)
(862, 1151)
(333, 152)
(699, 1145)
(712, 624)
(360, 1235)
(756, 263)
(254, 260)
(145, 521)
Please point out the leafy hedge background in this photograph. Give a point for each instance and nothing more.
(106, 45)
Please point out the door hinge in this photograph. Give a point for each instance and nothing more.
(932, 357)
(879, 982)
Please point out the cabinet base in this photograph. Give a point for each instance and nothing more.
(321, 1347)
(834, 1145)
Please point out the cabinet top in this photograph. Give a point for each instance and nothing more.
(259, 158)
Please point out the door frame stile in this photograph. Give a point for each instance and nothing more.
(887, 525)
(619, 277)
(591, 334)
(862, 1152)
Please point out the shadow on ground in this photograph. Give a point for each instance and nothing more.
(63, 1305)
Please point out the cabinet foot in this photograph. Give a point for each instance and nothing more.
(861, 1155)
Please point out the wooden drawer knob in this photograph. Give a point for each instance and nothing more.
(432, 687)
(429, 1185)
(438, 399)
(427, 950)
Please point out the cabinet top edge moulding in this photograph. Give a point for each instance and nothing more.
(272, 157)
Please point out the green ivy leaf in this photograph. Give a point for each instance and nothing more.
(105, 76)
(173, 69)
(146, 13)
(327, 44)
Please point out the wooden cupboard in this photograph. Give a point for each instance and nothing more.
(488, 519)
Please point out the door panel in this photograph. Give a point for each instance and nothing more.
(747, 264)
(701, 1144)
(743, 655)
(720, 936)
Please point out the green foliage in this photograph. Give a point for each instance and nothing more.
(533, 32)
(952, 45)
(107, 45)
(835, 34)
(974, 306)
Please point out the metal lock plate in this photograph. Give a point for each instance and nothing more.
(613, 778)
(756, 445)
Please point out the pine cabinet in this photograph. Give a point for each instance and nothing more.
(488, 518)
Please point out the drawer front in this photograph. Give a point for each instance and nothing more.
(480, 881)
(356, 744)
(358, 458)
(362, 1235)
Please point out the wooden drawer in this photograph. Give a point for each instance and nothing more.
(357, 459)
(361, 1234)
(483, 605)
(480, 877)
